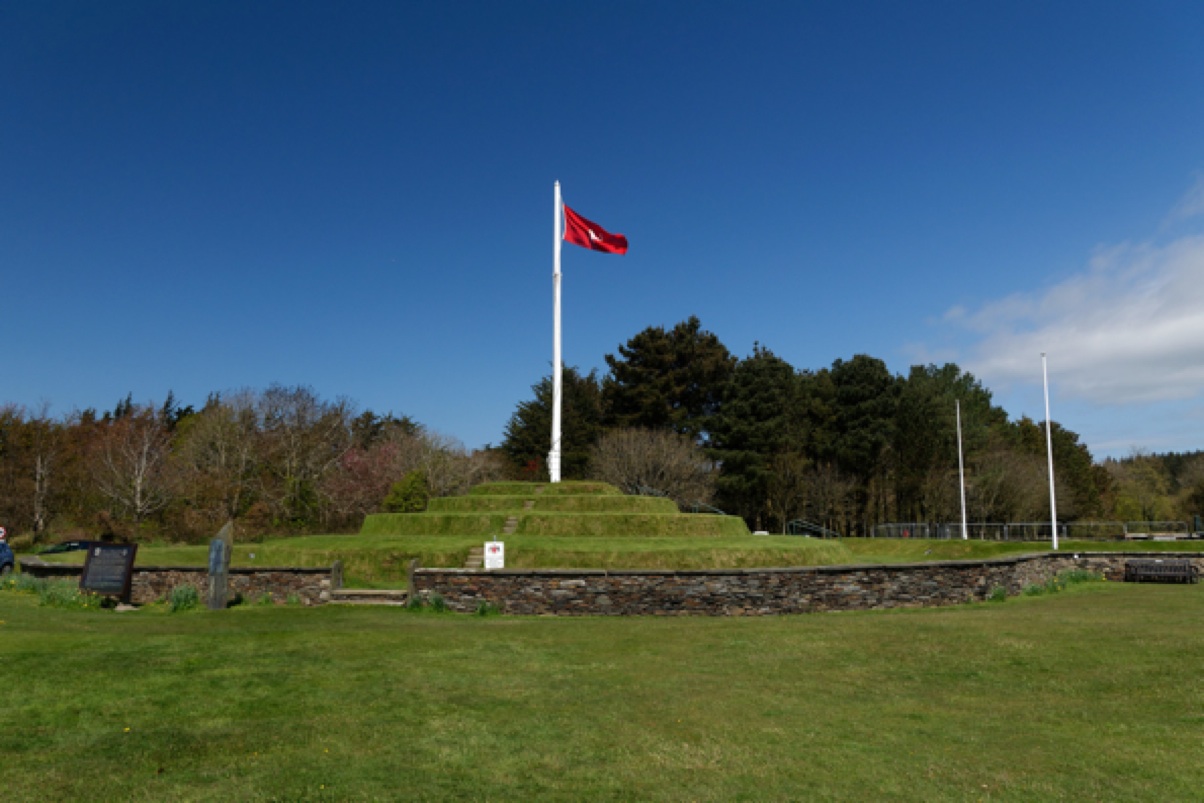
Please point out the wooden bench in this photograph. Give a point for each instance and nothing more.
(1171, 570)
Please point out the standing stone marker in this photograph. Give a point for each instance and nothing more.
(220, 549)
(109, 569)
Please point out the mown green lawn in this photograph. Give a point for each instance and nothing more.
(1094, 693)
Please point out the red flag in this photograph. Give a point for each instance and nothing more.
(587, 234)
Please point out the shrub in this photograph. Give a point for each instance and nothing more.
(1060, 582)
(23, 542)
(25, 583)
(183, 598)
(63, 594)
(1075, 576)
(486, 608)
(998, 594)
(433, 602)
(410, 494)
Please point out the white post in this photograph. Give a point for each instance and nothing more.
(961, 469)
(557, 239)
(1053, 504)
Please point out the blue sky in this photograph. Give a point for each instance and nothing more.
(357, 197)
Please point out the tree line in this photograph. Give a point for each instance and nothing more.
(1158, 487)
(847, 446)
(280, 460)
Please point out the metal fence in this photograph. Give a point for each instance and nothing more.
(1034, 530)
(800, 527)
(684, 507)
(1157, 528)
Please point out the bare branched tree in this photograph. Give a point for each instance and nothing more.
(363, 476)
(46, 443)
(301, 439)
(635, 459)
(1006, 485)
(829, 500)
(131, 466)
(216, 455)
(787, 488)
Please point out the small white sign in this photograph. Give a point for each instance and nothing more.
(495, 555)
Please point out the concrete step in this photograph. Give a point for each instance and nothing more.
(511, 525)
(476, 558)
(369, 596)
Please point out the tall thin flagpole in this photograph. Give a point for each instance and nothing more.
(1053, 503)
(557, 239)
(961, 469)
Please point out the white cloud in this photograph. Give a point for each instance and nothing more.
(1127, 330)
(1190, 205)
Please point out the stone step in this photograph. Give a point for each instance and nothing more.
(476, 558)
(369, 596)
(511, 525)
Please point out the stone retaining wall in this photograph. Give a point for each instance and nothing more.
(155, 583)
(718, 592)
(753, 592)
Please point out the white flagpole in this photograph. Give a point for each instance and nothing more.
(961, 469)
(558, 238)
(1053, 504)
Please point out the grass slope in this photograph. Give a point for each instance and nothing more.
(375, 560)
(566, 488)
(381, 560)
(1091, 694)
(555, 504)
(604, 525)
(569, 509)
(912, 550)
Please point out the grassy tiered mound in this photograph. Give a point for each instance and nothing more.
(587, 525)
(570, 525)
(566, 509)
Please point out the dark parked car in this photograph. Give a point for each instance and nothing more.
(7, 561)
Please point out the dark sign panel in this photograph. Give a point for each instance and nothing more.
(109, 569)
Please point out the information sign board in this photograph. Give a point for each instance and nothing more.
(109, 569)
(495, 555)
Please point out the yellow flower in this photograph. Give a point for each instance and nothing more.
(127, 730)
